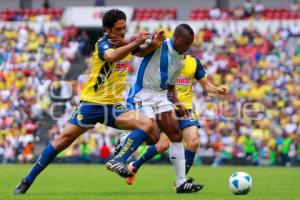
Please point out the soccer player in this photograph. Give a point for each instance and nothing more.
(156, 77)
(101, 98)
(192, 69)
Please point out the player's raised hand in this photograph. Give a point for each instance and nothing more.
(140, 38)
(158, 38)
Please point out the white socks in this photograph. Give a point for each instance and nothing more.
(177, 158)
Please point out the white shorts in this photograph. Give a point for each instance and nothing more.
(152, 102)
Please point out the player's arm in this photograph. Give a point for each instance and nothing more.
(156, 42)
(113, 55)
(211, 88)
(200, 76)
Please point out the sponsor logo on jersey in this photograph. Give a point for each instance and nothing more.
(122, 66)
(183, 80)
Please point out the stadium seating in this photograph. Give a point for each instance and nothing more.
(25, 14)
(141, 14)
(268, 13)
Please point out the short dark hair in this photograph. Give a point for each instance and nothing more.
(111, 17)
(180, 27)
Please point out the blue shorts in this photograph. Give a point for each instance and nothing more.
(88, 114)
(192, 120)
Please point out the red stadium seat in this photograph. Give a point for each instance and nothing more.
(154, 13)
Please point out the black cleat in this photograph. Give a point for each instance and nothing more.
(189, 187)
(119, 168)
(22, 187)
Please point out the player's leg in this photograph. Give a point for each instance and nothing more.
(191, 138)
(161, 146)
(145, 157)
(70, 134)
(169, 125)
(142, 128)
(189, 127)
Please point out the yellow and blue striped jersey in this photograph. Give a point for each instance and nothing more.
(192, 69)
(106, 81)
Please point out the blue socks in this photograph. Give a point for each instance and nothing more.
(152, 151)
(133, 141)
(148, 155)
(46, 157)
(189, 159)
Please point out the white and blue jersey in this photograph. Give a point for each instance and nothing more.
(156, 71)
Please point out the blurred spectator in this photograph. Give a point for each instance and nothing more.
(215, 13)
(27, 154)
(46, 4)
(84, 43)
(295, 7)
(2, 151)
(248, 7)
(104, 153)
(99, 2)
(258, 7)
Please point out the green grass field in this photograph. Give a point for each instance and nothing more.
(153, 182)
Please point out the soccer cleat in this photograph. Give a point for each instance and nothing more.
(118, 167)
(189, 180)
(22, 187)
(133, 171)
(188, 187)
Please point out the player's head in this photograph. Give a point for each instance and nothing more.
(114, 22)
(183, 38)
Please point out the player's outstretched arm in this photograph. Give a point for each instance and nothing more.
(157, 40)
(211, 88)
(119, 53)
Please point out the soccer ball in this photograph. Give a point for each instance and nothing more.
(240, 183)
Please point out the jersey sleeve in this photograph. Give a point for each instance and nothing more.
(103, 46)
(200, 71)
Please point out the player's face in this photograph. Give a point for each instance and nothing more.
(182, 43)
(118, 29)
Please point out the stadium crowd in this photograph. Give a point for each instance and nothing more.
(31, 61)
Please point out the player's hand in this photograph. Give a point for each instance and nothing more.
(158, 38)
(140, 38)
(184, 112)
(118, 41)
(223, 91)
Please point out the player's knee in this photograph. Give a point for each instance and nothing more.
(161, 147)
(193, 144)
(176, 138)
(146, 125)
(152, 139)
(62, 142)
